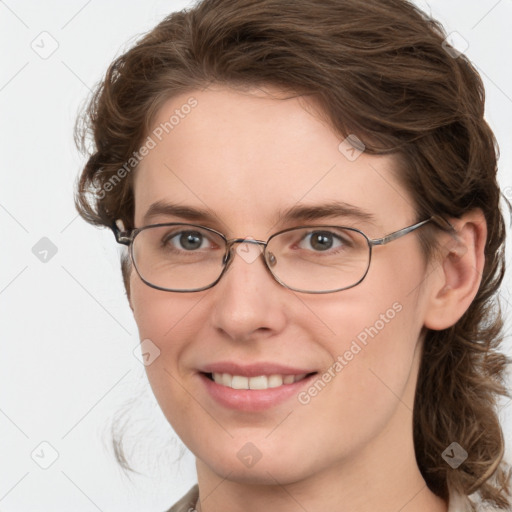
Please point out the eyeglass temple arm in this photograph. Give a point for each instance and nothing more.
(122, 235)
(125, 237)
(442, 223)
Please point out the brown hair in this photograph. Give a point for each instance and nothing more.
(379, 69)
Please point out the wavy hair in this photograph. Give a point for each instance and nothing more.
(379, 69)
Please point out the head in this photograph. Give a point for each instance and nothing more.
(247, 109)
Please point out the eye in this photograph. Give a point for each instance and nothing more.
(189, 240)
(322, 241)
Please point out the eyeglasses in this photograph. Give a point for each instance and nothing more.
(182, 257)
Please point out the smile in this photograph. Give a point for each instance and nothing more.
(256, 382)
(254, 393)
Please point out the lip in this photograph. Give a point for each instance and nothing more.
(253, 400)
(254, 369)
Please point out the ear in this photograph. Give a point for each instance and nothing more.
(457, 273)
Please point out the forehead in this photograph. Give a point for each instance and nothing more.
(246, 155)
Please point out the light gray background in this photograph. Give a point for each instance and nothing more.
(67, 362)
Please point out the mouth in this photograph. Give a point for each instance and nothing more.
(257, 382)
(256, 386)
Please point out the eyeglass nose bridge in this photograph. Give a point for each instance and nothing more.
(226, 260)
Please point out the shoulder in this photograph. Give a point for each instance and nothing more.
(188, 502)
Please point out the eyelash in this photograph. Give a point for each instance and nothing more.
(343, 240)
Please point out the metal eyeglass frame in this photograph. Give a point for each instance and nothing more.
(126, 237)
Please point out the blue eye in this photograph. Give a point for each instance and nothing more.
(185, 240)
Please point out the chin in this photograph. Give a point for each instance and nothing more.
(270, 469)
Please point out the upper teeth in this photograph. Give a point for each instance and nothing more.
(259, 382)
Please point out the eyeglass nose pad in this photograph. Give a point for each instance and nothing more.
(271, 259)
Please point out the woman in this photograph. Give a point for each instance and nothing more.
(308, 193)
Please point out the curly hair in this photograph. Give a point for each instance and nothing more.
(379, 69)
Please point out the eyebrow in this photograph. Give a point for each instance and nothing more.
(299, 212)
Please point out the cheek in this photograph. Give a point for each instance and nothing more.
(371, 378)
(157, 313)
(374, 345)
(170, 322)
(158, 321)
(375, 330)
(379, 355)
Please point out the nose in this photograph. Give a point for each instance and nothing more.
(248, 302)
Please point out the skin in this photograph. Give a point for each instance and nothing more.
(246, 155)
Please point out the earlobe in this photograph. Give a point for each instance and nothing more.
(457, 272)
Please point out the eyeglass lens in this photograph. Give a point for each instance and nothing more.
(314, 258)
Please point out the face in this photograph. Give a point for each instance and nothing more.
(246, 157)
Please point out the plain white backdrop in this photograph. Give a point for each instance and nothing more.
(69, 344)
